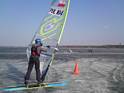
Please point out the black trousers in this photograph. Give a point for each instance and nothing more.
(34, 60)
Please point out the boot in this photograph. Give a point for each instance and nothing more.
(26, 83)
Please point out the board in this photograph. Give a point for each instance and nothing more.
(35, 86)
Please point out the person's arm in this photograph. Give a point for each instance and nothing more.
(43, 49)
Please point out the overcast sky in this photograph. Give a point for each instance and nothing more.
(90, 22)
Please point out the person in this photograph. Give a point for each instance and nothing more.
(36, 50)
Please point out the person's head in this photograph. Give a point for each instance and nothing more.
(38, 41)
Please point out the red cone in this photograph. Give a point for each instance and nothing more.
(76, 69)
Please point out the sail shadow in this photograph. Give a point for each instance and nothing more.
(14, 74)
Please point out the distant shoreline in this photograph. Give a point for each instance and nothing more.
(93, 46)
(75, 46)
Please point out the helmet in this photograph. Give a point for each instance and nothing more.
(38, 41)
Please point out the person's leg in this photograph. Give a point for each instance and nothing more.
(27, 76)
(37, 68)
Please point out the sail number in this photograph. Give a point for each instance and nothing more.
(56, 12)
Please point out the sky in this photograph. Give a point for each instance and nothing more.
(90, 22)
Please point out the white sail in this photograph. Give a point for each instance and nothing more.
(50, 31)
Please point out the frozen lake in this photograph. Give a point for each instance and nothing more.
(101, 70)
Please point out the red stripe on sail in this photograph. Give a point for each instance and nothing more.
(61, 5)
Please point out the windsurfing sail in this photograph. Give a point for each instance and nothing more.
(50, 32)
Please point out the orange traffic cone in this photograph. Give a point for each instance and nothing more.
(76, 69)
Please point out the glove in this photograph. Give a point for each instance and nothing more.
(48, 46)
(56, 49)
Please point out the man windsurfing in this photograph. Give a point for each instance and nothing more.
(36, 50)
